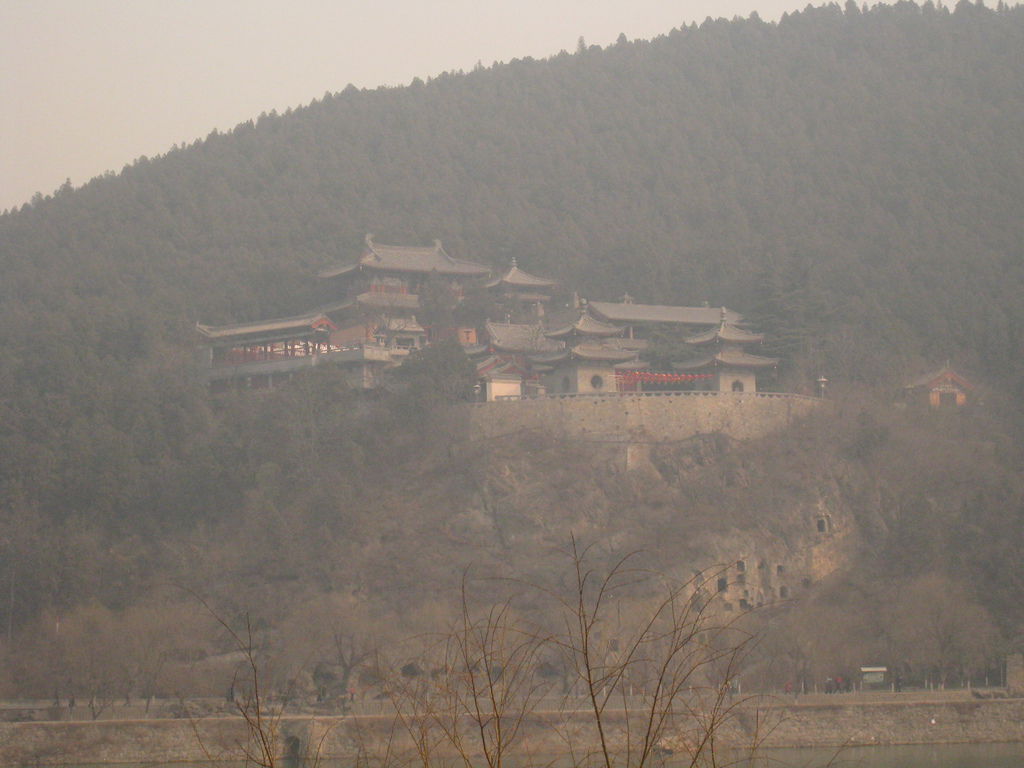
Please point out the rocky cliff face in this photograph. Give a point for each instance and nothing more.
(758, 525)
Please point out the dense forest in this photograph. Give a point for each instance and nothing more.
(851, 179)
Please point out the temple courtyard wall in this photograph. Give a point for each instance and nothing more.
(642, 418)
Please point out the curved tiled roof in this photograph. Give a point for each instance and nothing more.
(727, 358)
(409, 258)
(282, 325)
(585, 325)
(604, 352)
(344, 269)
(517, 278)
(728, 333)
(627, 312)
(945, 374)
(542, 358)
(520, 337)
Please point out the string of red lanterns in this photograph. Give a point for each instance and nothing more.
(631, 377)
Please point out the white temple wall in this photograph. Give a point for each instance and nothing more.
(581, 378)
(728, 380)
(497, 388)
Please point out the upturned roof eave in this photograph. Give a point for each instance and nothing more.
(935, 377)
(728, 334)
(518, 337)
(639, 314)
(727, 361)
(600, 354)
(344, 269)
(298, 324)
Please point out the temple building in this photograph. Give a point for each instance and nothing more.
(640, 320)
(386, 283)
(593, 349)
(944, 388)
(384, 271)
(514, 349)
(522, 340)
(265, 353)
(522, 292)
(722, 351)
(502, 379)
(588, 369)
(400, 335)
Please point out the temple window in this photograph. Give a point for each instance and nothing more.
(779, 569)
(741, 566)
(723, 584)
(744, 605)
(596, 382)
(737, 386)
(823, 525)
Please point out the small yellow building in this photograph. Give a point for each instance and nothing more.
(944, 388)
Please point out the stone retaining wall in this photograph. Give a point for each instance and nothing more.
(663, 417)
(219, 738)
(950, 722)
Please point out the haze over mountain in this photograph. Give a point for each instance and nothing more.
(852, 181)
(878, 151)
(88, 87)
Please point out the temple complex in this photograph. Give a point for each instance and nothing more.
(527, 344)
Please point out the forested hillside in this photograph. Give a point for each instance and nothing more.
(871, 163)
(852, 180)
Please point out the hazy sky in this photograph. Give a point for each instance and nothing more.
(89, 85)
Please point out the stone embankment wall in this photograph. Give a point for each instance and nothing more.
(653, 417)
(774, 725)
(946, 722)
